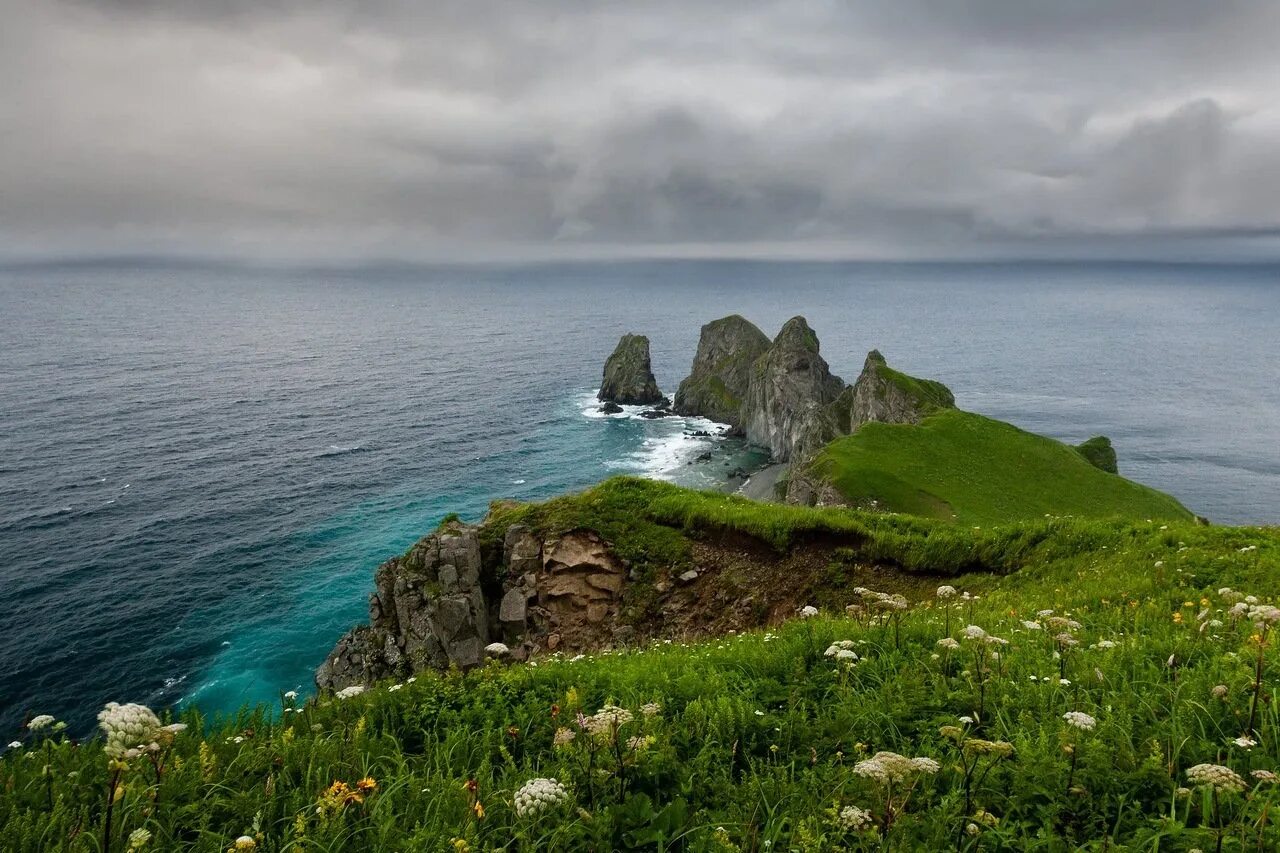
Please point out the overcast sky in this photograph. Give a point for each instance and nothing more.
(431, 129)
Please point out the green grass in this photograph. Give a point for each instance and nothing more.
(758, 735)
(963, 467)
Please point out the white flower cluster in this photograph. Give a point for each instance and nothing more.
(1080, 720)
(808, 611)
(892, 767)
(651, 709)
(350, 692)
(842, 650)
(42, 721)
(607, 720)
(949, 644)
(1264, 615)
(973, 632)
(946, 591)
(539, 795)
(1219, 777)
(854, 819)
(130, 730)
(138, 839)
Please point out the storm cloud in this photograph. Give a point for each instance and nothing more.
(477, 129)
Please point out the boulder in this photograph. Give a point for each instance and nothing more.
(610, 408)
(628, 377)
(721, 372)
(788, 399)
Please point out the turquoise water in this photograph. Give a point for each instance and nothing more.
(200, 468)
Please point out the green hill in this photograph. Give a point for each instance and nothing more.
(959, 466)
(1114, 693)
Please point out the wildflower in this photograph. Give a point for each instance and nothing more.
(539, 795)
(1066, 640)
(1264, 776)
(497, 649)
(952, 732)
(854, 819)
(1000, 748)
(244, 842)
(808, 611)
(1215, 775)
(350, 692)
(1044, 613)
(639, 742)
(650, 709)
(291, 695)
(973, 632)
(1219, 691)
(174, 728)
(1104, 644)
(946, 591)
(130, 729)
(607, 720)
(948, 644)
(393, 688)
(1245, 742)
(1080, 720)
(138, 839)
(40, 722)
(972, 829)
(966, 719)
(888, 767)
(563, 737)
(1031, 626)
(1264, 615)
(846, 655)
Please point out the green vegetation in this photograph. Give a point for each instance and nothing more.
(959, 466)
(1099, 452)
(1070, 729)
(927, 391)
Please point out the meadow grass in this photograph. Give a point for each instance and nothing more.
(958, 466)
(765, 740)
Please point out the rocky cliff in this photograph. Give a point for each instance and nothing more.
(721, 373)
(885, 395)
(628, 376)
(789, 394)
(444, 602)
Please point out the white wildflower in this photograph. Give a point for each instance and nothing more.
(1219, 691)
(946, 591)
(1217, 776)
(973, 632)
(539, 795)
(138, 839)
(130, 730)
(291, 695)
(350, 692)
(1264, 776)
(1031, 626)
(854, 819)
(808, 611)
(650, 709)
(39, 722)
(847, 655)
(1245, 742)
(607, 720)
(1080, 720)
(948, 644)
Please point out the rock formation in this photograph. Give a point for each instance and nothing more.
(441, 603)
(790, 390)
(628, 377)
(1100, 453)
(884, 395)
(717, 383)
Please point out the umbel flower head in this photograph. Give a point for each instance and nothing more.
(39, 722)
(854, 819)
(1215, 775)
(892, 767)
(607, 720)
(130, 730)
(539, 795)
(1080, 720)
(350, 692)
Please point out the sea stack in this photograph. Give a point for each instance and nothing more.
(791, 388)
(717, 383)
(628, 377)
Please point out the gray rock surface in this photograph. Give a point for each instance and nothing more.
(885, 395)
(628, 376)
(789, 394)
(721, 373)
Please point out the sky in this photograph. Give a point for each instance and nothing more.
(442, 130)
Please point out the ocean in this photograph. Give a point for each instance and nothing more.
(201, 466)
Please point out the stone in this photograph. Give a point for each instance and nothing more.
(721, 371)
(791, 387)
(611, 408)
(1099, 453)
(628, 376)
(888, 396)
(522, 551)
(514, 606)
(688, 577)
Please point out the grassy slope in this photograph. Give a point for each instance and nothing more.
(963, 467)
(759, 732)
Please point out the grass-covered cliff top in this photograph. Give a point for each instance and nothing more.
(963, 467)
(1107, 698)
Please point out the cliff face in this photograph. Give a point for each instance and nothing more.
(1100, 453)
(718, 381)
(628, 376)
(790, 390)
(884, 395)
(442, 603)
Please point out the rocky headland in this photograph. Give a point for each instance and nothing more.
(628, 376)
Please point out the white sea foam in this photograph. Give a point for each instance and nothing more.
(340, 450)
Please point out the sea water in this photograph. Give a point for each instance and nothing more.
(201, 466)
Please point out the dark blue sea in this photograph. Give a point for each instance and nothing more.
(201, 467)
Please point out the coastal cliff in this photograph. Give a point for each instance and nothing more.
(628, 376)
(788, 394)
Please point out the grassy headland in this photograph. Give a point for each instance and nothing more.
(1112, 695)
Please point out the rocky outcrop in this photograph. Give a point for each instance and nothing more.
(439, 605)
(885, 395)
(628, 376)
(1100, 454)
(789, 394)
(721, 373)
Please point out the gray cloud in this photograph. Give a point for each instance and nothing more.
(889, 128)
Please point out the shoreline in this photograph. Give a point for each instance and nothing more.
(760, 485)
